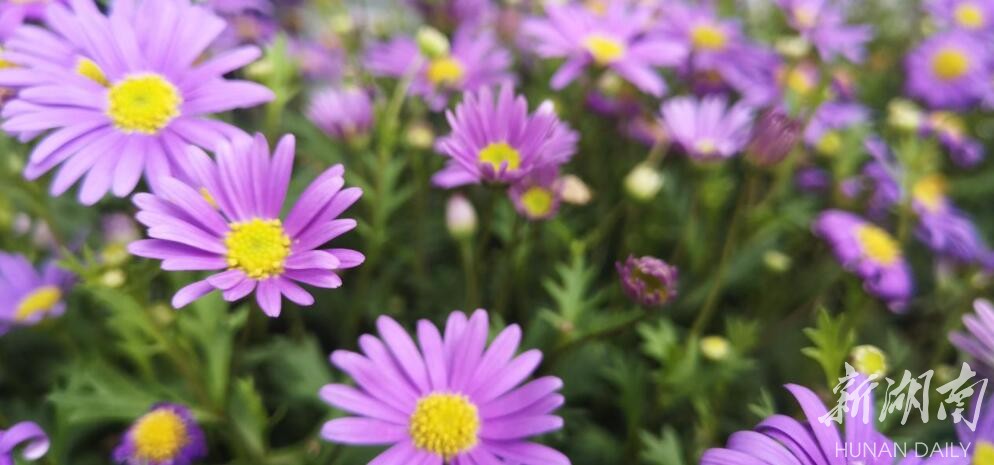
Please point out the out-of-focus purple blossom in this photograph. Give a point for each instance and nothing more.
(14, 13)
(26, 434)
(944, 228)
(801, 79)
(648, 130)
(166, 435)
(968, 15)
(452, 14)
(708, 129)
(615, 39)
(537, 196)
(823, 131)
(27, 295)
(342, 113)
(823, 22)
(119, 228)
(949, 129)
(774, 136)
(977, 340)
(950, 70)
(648, 281)
(812, 179)
(869, 252)
(317, 60)
(475, 61)
(495, 139)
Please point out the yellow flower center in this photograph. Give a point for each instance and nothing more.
(830, 143)
(878, 245)
(143, 103)
(537, 201)
(950, 63)
(498, 153)
(930, 191)
(705, 147)
(869, 360)
(799, 82)
(89, 69)
(257, 247)
(604, 49)
(159, 436)
(984, 454)
(446, 71)
(969, 15)
(708, 37)
(38, 301)
(445, 424)
(805, 16)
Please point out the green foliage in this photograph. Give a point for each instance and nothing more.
(832, 338)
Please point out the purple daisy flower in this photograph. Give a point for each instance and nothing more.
(782, 440)
(966, 15)
(166, 435)
(950, 70)
(15, 13)
(496, 140)
(949, 129)
(475, 61)
(944, 228)
(342, 113)
(537, 196)
(869, 252)
(228, 218)
(978, 339)
(615, 39)
(130, 100)
(830, 119)
(774, 137)
(823, 22)
(447, 398)
(647, 280)
(708, 129)
(27, 295)
(25, 433)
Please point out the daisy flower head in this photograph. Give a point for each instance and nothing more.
(615, 39)
(113, 97)
(342, 113)
(950, 70)
(475, 60)
(227, 219)
(824, 131)
(495, 139)
(823, 22)
(975, 16)
(166, 435)
(944, 228)
(977, 341)
(869, 252)
(537, 196)
(27, 295)
(709, 38)
(27, 434)
(446, 398)
(708, 129)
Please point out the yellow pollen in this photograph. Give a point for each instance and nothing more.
(604, 49)
(799, 82)
(38, 301)
(4, 64)
(143, 103)
(877, 244)
(805, 16)
(257, 247)
(159, 436)
(984, 454)
(499, 153)
(950, 63)
(869, 360)
(445, 424)
(206, 194)
(830, 143)
(89, 69)
(537, 201)
(446, 71)
(930, 191)
(947, 122)
(708, 37)
(969, 15)
(705, 147)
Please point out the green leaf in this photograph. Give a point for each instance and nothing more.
(832, 339)
(662, 449)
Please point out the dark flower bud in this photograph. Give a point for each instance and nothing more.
(648, 281)
(773, 138)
